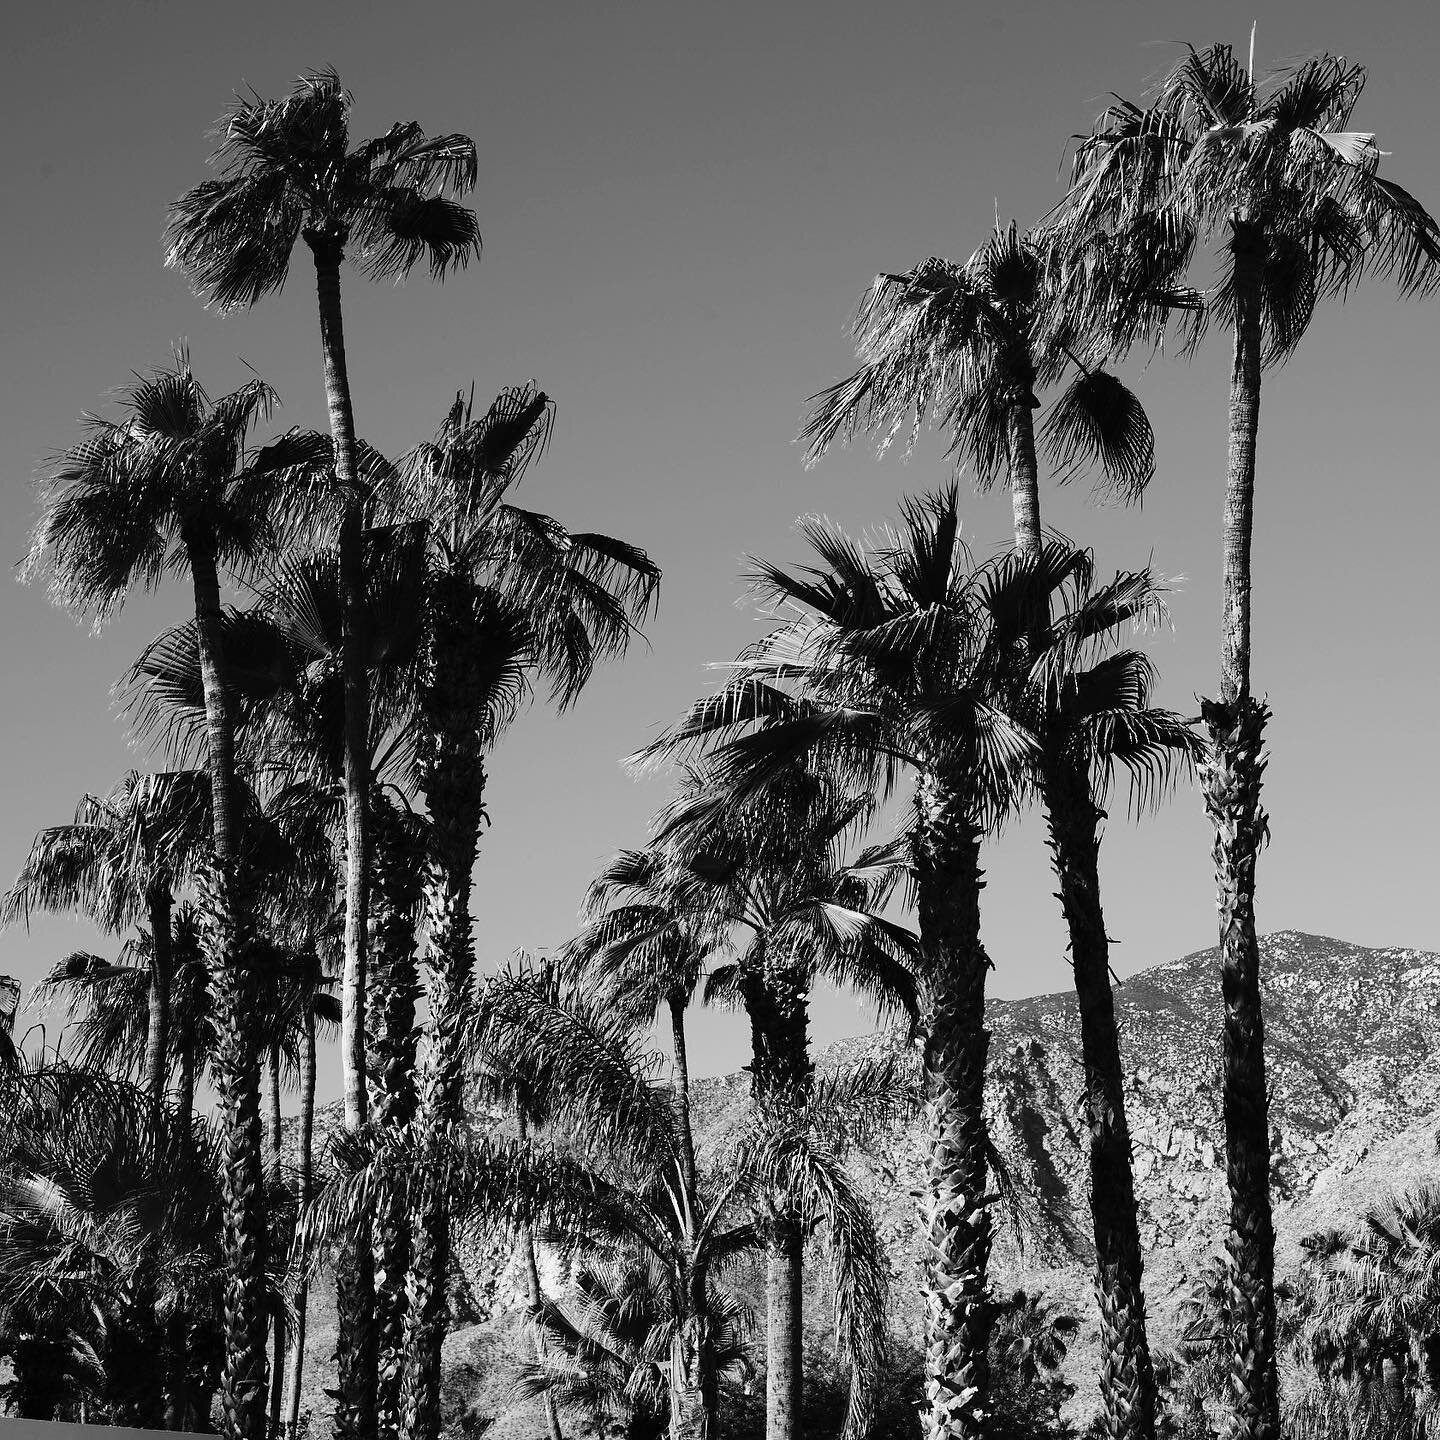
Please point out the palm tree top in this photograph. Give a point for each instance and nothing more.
(122, 505)
(880, 662)
(962, 344)
(1217, 147)
(146, 831)
(556, 601)
(286, 168)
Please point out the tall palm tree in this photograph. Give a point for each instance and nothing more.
(1293, 202)
(789, 908)
(287, 172)
(887, 665)
(1087, 701)
(511, 596)
(971, 345)
(118, 862)
(649, 930)
(288, 692)
(168, 488)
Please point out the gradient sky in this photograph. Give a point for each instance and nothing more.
(681, 205)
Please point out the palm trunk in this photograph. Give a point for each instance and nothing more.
(778, 1003)
(157, 1075)
(305, 1189)
(453, 783)
(1127, 1378)
(277, 1324)
(784, 1372)
(536, 1296)
(273, 1094)
(242, 1381)
(157, 1034)
(955, 1208)
(237, 1075)
(694, 1394)
(1024, 468)
(1231, 779)
(682, 1093)
(390, 1024)
(355, 1414)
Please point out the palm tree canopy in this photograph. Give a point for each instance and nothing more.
(962, 344)
(1079, 692)
(578, 596)
(146, 832)
(649, 930)
(1217, 147)
(128, 504)
(283, 667)
(286, 168)
(887, 663)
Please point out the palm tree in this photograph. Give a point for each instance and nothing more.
(108, 1009)
(286, 172)
(510, 596)
(121, 860)
(604, 1346)
(788, 908)
(620, 1188)
(970, 345)
(168, 488)
(1088, 703)
(650, 929)
(1294, 203)
(888, 665)
(288, 694)
(1366, 1315)
(109, 1224)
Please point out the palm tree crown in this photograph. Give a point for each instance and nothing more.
(286, 169)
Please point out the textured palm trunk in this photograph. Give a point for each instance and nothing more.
(453, 783)
(237, 1076)
(273, 1129)
(1024, 467)
(955, 1213)
(1231, 780)
(778, 1005)
(157, 1077)
(277, 1320)
(157, 1032)
(1127, 1377)
(694, 1393)
(305, 1190)
(355, 1413)
(784, 1314)
(390, 1023)
(237, 1060)
(676, 1005)
(536, 1297)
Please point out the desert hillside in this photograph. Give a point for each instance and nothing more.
(1352, 1035)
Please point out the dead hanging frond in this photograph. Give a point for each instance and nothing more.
(1099, 422)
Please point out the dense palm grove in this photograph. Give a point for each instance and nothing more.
(302, 865)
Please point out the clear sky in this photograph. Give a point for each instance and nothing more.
(681, 204)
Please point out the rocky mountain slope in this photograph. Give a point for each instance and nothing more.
(1353, 1039)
